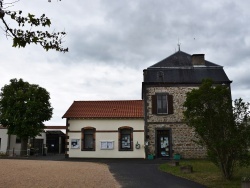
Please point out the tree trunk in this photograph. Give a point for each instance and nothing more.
(24, 143)
(227, 169)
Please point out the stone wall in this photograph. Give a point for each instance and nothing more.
(182, 140)
(182, 135)
(179, 97)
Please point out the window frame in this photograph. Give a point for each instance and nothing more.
(121, 131)
(18, 140)
(169, 104)
(84, 133)
(160, 76)
(160, 108)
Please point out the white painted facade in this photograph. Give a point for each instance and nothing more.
(14, 146)
(106, 130)
(3, 140)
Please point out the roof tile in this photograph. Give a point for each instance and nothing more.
(105, 109)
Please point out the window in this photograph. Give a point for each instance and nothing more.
(88, 139)
(160, 76)
(18, 139)
(162, 103)
(125, 138)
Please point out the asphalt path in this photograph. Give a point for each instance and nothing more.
(147, 175)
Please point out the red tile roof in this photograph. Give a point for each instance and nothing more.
(105, 109)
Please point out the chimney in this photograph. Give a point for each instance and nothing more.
(198, 59)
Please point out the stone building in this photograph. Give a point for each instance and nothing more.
(164, 91)
(159, 129)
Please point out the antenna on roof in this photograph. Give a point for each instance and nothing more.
(179, 45)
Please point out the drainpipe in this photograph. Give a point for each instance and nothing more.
(60, 144)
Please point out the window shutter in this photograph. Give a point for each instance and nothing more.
(170, 104)
(154, 104)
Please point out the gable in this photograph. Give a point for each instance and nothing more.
(179, 59)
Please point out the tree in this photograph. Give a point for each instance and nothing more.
(23, 109)
(22, 37)
(220, 127)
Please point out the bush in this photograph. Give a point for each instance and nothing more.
(3, 154)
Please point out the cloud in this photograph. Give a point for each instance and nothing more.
(111, 42)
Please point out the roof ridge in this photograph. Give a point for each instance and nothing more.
(178, 52)
(105, 100)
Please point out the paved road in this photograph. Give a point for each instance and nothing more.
(134, 173)
(147, 175)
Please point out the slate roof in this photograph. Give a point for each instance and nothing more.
(105, 109)
(178, 68)
(179, 59)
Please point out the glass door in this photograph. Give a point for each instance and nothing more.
(163, 143)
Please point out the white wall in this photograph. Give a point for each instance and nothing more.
(14, 147)
(4, 140)
(42, 136)
(107, 125)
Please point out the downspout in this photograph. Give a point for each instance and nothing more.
(8, 145)
(144, 97)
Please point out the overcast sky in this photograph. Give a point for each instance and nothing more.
(111, 42)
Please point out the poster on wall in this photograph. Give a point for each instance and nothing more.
(126, 141)
(164, 142)
(75, 143)
(107, 144)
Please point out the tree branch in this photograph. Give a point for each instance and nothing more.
(21, 37)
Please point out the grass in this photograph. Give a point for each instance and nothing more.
(206, 173)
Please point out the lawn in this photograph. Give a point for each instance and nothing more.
(206, 173)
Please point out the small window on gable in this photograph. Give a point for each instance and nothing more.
(125, 138)
(160, 76)
(88, 139)
(162, 103)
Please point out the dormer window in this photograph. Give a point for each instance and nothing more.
(160, 76)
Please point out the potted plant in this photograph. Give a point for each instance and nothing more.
(245, 182)
(3, 154)
(177, 156)
(151, 155)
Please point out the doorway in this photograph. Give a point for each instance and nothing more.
(37, 145)
(55, 141)
(164, 144)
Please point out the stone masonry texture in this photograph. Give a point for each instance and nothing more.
(182, 135)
